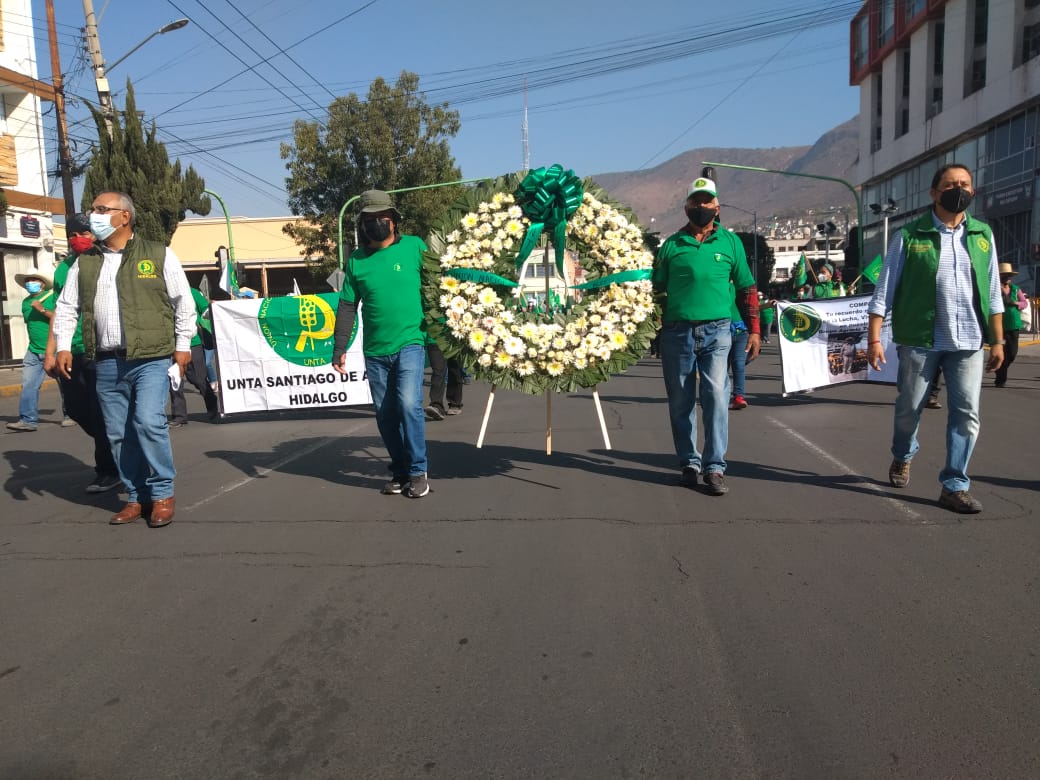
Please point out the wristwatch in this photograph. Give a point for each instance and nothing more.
(1000, 343)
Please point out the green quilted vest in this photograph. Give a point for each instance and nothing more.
(913, 307)
(148, 319)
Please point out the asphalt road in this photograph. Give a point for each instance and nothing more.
(572, 615)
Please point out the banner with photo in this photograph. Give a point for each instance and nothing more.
(824, 342)
(276, 353)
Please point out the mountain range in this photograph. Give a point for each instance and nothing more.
(657, 194)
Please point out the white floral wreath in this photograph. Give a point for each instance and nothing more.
(472, 314)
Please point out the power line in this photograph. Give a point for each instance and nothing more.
(263, 61)
(286, 54)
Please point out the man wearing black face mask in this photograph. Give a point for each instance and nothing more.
(384, 274)
(694, 271)
(940, 282)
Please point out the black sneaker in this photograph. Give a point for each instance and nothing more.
(395, 486)
(715, 481)
(417, 487)
(434, 412)
(959, 501)
(453, 410)
(104, 483)
(690, 475)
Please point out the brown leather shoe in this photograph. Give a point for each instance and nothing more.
(127, 514)
(162, 512)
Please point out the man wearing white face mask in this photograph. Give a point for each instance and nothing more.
(138, 312)
(37, 310)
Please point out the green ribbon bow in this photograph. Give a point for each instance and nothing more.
(548, 197)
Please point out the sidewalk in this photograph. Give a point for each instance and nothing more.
(11, 382)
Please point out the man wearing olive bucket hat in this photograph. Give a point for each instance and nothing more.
(37, 311)
(1015, 302)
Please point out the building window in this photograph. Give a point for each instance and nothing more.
(935, 98)
(861, 41)
(1030, 31)
(903, 123)
(912, 9)
(886, 22)
(875, 138)
(976, 75)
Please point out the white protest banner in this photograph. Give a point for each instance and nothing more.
(824, 342)
(276, 353)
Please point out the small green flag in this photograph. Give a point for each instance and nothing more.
(800, 275)
(873, 271)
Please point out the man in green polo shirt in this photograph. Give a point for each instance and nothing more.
(384, 274)
(694, 271)
(37, 311)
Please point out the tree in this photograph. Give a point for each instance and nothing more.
(136, 162)
(392, 140)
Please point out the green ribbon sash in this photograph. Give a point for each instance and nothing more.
(548, 197)
(480, 277)
(620, 277)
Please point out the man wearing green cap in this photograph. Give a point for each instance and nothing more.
(383, 273)
(697, 270)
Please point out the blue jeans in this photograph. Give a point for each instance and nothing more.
(738, 361)
(686, 350)
(132, 394)
(963, 372)
(396, 382)
(32, 380)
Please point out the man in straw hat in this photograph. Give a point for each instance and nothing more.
(1015, 302)
(699, 269)
(384, 274)
(37, 311)
(939, 281)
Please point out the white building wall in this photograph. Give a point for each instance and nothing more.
(1006, 88)
(22, 119)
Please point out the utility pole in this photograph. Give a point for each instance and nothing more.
(94, 48)
(64, 153)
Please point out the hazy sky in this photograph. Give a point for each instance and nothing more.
(609, 89)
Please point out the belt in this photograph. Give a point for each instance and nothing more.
(110, 354)
(697, 323)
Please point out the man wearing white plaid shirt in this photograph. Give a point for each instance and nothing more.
(137, 312)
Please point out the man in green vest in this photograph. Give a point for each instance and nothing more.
(137, 312)
(940, 283)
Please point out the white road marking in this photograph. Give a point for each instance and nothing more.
(263, 472)
(813, 447)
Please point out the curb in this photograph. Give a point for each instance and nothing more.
(7, 391)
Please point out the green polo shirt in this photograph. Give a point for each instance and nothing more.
(387, 282)
(696, 276)
(61, 275)
(37, 325)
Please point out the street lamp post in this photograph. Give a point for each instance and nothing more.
(754, 221)
(98, 62)
(885, 211)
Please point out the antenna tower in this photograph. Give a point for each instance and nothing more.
(523, 130)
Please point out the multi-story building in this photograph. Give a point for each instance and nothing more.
(26, 236)
(945, 81)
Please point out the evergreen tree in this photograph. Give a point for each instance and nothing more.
(392, 140)
(134, 161)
